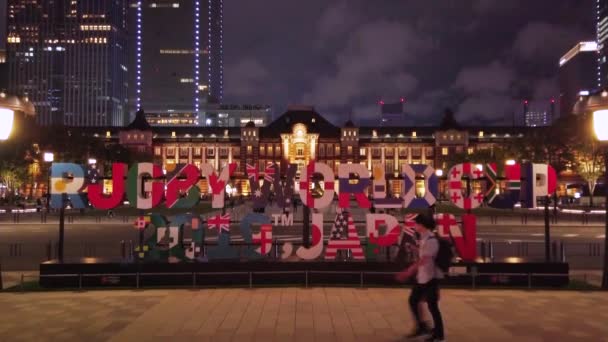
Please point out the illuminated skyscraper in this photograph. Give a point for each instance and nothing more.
(178, 55)
(602, 41)
(577, 75)
(69, 57)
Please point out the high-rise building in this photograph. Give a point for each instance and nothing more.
(602, 41)
(577, 75)
(392, 113)
(69, 57)
(177, 55)
(539, 113)
(3, 64)
(218, 115)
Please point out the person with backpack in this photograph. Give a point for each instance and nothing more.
(429, 269)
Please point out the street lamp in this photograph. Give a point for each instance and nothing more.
(600, 126)
(48, 158)
(7, 116)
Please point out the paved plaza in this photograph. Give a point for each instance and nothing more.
(285, 314)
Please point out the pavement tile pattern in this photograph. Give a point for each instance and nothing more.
(297, 314)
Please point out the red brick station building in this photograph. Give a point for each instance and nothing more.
(300, 135)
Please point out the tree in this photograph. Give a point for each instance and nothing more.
(590, 165)
(13, 176)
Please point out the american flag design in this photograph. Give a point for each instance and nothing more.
(219, 222)
(340, 227)
(351, 242)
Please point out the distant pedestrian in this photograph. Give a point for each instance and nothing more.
(428, 275)
(110, 213)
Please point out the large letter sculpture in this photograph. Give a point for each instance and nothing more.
(218, 183)
(328, 185)
(539, 180)
(503, 200)
(183, 193)
(456, 189)
(431, 186)
(379, 190)
(317, 240)
(99, 200)
(142, 191)
(68, 179)
(349, 241)
(358, 189)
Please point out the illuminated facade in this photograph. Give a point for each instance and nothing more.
(210, 114)
(178, 55)
(602, 43)
(301, 135)
(577, 75)
(69, 57)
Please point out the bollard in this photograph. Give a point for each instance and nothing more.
(80, 281)
(276, 249)
(361, 284)
(554, 250)
(529, 280)
(137, 280)
(482, 247)
(193, 280)
(562, 251)
(306, 279)
(491, 250)
(250, 279)
(49, 249)
(21, 282)
(123, 252)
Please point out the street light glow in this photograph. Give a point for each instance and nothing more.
(439, 173)
(49, 157)
(510, 162)
(92, 161)
(600, 124)
(7, 117)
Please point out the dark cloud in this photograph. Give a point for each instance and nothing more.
(480, 57)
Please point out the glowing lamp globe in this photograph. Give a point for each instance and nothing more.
(7, 116)
(600, 124)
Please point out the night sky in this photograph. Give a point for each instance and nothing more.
(479, 57)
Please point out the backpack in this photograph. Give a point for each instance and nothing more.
(445, 254)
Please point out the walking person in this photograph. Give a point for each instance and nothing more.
(426, 287)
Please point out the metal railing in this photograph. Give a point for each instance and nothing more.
(250, 277)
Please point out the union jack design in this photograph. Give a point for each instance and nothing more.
(219, 222)
(269, 173)
(408, 229)
(252, 172)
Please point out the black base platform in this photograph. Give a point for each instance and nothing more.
(110, 273)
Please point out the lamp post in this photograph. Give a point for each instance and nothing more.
(600, 126)
(7, 117)
(48, 158)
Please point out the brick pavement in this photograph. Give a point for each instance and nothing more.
(283, 314)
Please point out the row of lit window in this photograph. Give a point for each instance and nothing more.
(93, 16)
(161, 5)
(95, 27)
(96, 40)
(181, 52)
